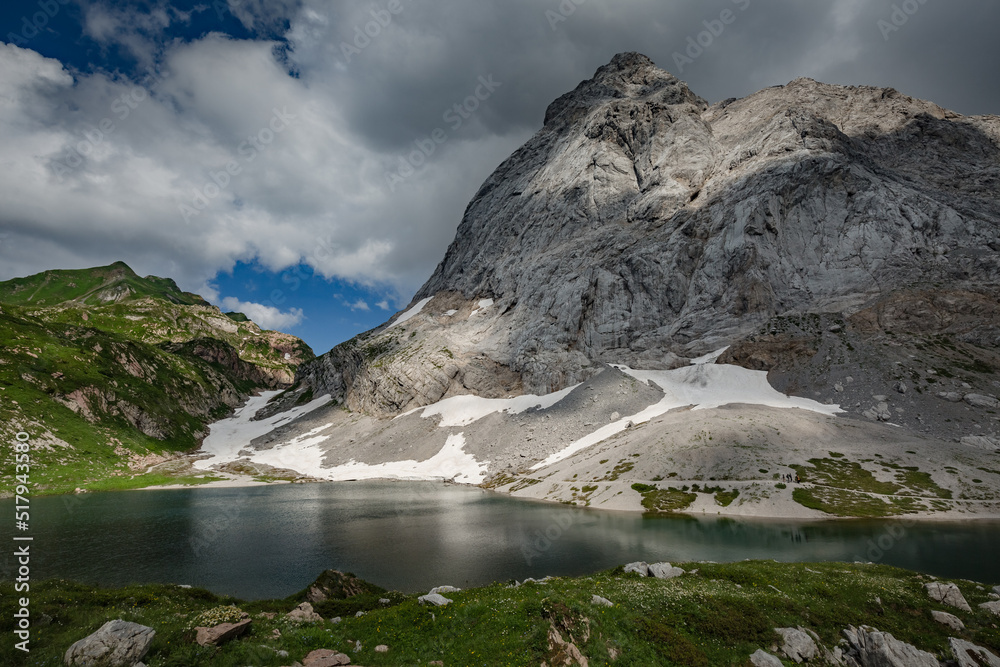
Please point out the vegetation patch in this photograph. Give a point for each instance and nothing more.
(664, 501)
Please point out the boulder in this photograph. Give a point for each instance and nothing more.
(993, 606)
(982, 401)
(870, 648)
(996, 589)
(664, 571)
(947, 594)
(435, 599)
(950, 396)
(797, 645)
(598, 600)
(444, 589)
(117, 643)
(639, 567)
(304, 614)
(762, 659)
(952, 621)
(969, 655)
(381, 648)
(324, 657)
(222, 633)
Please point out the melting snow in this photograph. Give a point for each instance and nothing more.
(411, 312)
(709, 358)
(704, 386)
(463, 410)
(452, 462)
(227, 437)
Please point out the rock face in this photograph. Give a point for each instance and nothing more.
(952, 621)
(116, 644)
(797, 644)
(871, 648)
(643, 226)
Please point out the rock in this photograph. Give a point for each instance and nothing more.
(952, 621)
(839, 388)
(598, 600)
(336, 619)
(434, 599)
(562, 652)
(993, 606)
(988, 443)
(871, 648)
(981, 401)
(324, 657)
(222, 633)
(901, 387)
(381, 648)
(996, 589)
(384, 601)
(117, 643)
(304, 614)
(762, 659)
(639, 567)
(335, 585)
(664, 571)
(947, 594)
(950, 396)
(797, 645)
(444, 589)
(968, 654)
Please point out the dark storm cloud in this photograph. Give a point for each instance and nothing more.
(366, 80)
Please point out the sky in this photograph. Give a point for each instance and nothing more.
(278, 156)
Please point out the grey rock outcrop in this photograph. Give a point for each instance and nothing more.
(603, 602)
(870, 648)
(948, 594)
(797, 644)
(325, 658)
(639, 567)
(117, 643)
(434, 599)
(222, 633)
(952, 621)
(968, 654)
(664, 571)
(643, 226)
(993, 606)
(304, 613)
(762, 659)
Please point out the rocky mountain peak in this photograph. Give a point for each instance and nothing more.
(627, 76)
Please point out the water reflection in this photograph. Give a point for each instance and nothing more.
(272, 541)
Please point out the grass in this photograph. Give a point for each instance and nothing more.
(664, 501)
(844, 488)
(718, 616)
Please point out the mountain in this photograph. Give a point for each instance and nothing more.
(109, 372)
(836, 249)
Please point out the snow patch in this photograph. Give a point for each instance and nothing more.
(483, 305)
(411, 312)
(709, 358)
(703, 386)
(450, 313)
(227, 437)
(464, 410)
(452, 463)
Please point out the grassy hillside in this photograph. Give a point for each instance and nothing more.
(109, 373)
(716, 614)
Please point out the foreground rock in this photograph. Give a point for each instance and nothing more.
(870, 648)
(117, 643)
(970, 655)
(434, 599)
(664, 571)
(304, 614)
(325, 658)
(762, 659)
(993, 606)
(947, 594)
(952, 621)
(222, 633)
(797, 645)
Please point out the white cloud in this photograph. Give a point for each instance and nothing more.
(383, 304)
(360, 304)
(267, 317)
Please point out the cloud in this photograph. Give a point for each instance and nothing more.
(96, 167)
(360, 304)
(267, 317)
(384, 305)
